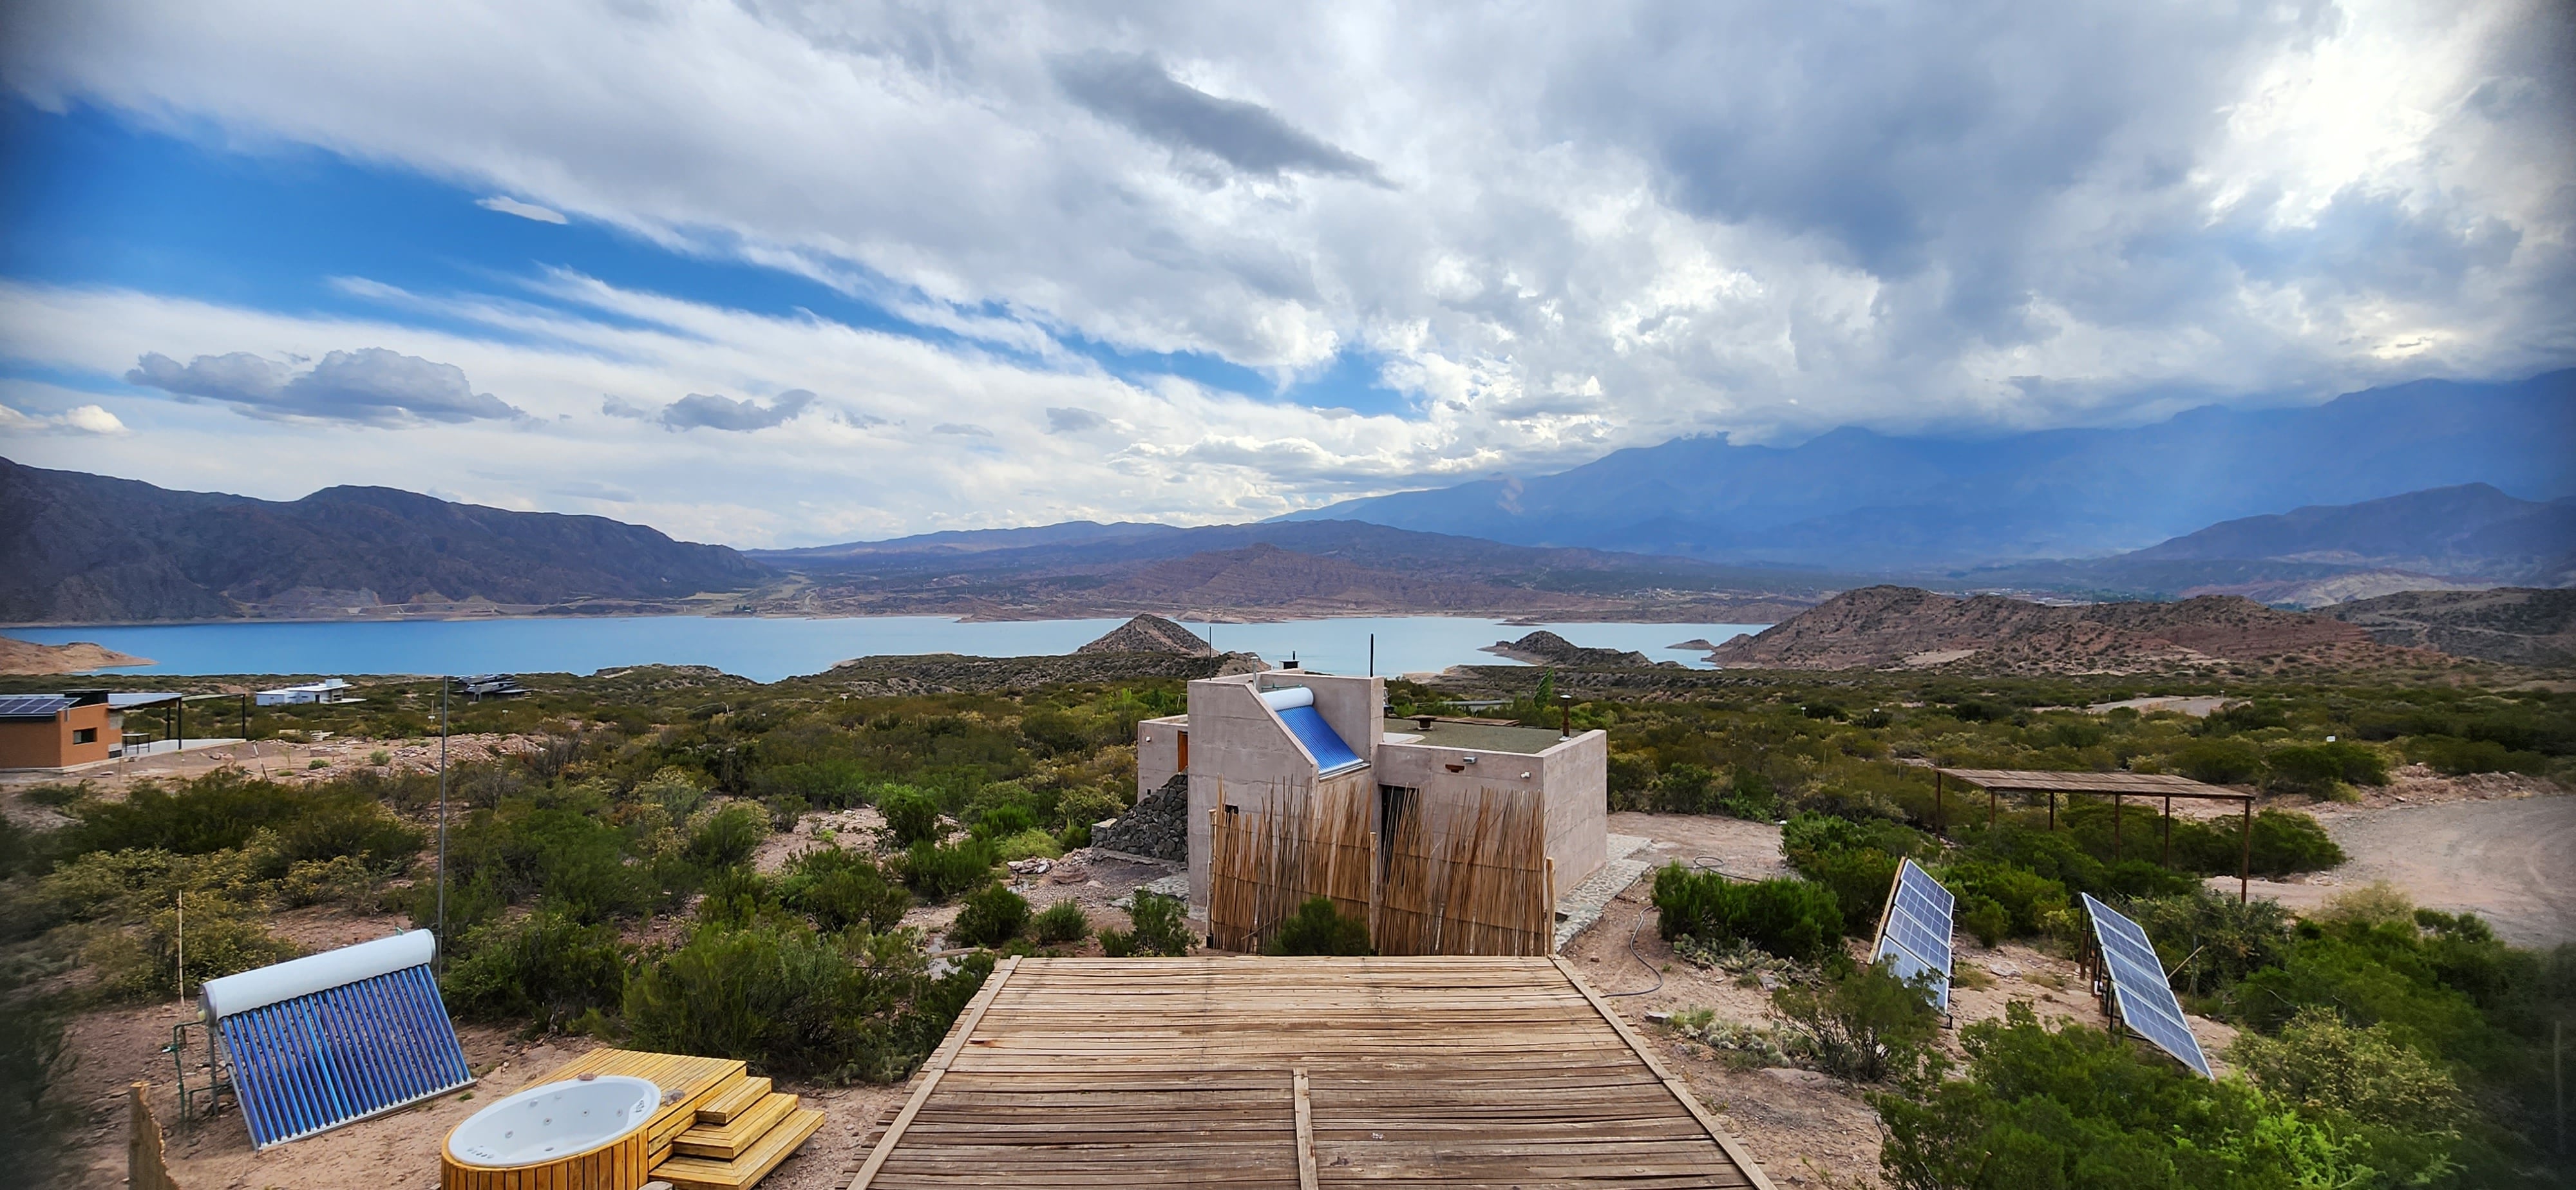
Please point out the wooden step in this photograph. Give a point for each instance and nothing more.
(733, 1099)
(706, 1173)
(731, 1139)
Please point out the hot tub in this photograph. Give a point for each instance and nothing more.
(586, 1132)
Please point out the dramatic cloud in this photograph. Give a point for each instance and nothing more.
(525, 210)
(1073, 421)
(1610, 223)
(703, 411)
(370, 386)
(1135, 91)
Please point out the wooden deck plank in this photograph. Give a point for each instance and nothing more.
(1304, 1072)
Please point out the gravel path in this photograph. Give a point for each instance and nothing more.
(2512, 862)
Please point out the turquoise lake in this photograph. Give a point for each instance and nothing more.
(769, 649)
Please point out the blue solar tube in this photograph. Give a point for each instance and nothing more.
(327, 1056)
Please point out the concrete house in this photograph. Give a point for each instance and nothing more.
(1258, 740)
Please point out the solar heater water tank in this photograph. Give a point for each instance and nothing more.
(333, 1038)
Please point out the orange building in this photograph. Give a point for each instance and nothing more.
(52, 731)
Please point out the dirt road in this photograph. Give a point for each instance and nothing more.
(2512, 862)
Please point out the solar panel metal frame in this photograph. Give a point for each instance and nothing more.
(1906, 931)
(2139, 987)
(333, 1057)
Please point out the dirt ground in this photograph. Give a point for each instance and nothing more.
(2507, 860)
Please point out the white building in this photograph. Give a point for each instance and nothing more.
(326, 690)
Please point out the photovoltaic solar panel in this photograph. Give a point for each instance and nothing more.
(2138, 985)
(32, 706)
(1916, 936)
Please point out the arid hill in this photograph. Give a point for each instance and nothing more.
(1150, 634)
(1890, 627)
(18, 657)
(2516, 625)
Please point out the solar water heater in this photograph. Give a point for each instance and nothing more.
(336, 1037)
(1295, 707)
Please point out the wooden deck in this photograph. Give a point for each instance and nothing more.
(1303, 1072)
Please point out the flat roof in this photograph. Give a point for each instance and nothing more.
(2040, 781)
(1480, 737)
(1283, 1073)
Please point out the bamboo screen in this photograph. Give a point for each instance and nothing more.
(1476, 883)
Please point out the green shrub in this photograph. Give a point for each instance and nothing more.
(222, 937)
(786, 810)
(736, 897)
(1632, 780)
(2370, 1075)
(911, 816)
(2074, 1106)
(1986, 918)
(2457, 757)
(2208, 941)
(1160, 928)
(727, 837)
(1060, 923)
(38, 1117)
(837, 889)
(1317, 927)
(797, 1004)
(544, 967)
(1865, 1024)
(1028, 844)
(2026, 898)
(1860, 879)
(1685, 788)
(1003, 821)
(2287, 842)
(938, 872)
(1794, 919)
(2219, 761)
(991, 916)
(833, 783)
(223, 809)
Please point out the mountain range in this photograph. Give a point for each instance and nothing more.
(88, 548)
(1858, 500)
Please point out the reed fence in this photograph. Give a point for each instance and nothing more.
(1475, 882)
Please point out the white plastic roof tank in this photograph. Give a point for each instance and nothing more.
(1293, 696)
(313, 973)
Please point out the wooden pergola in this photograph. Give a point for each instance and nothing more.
(2118, 786)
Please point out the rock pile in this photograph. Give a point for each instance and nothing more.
(1158, 826)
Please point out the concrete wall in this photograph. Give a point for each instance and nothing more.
(1240, 755)
(47, 743)
(1158, 751)
(1573, 777)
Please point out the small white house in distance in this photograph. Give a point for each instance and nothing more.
(1288, 733)
(326, 690)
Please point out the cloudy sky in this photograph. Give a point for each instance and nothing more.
(782, 273)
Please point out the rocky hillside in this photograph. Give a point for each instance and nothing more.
(1547, 648)
(18, 657)
(1890, 627)
(1150, 634)
(95, 549)
(2516, 625)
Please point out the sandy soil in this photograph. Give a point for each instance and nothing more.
(18, 657)
(2507, 860)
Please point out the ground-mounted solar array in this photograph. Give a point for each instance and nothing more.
(2138, 983)
(1915, 937)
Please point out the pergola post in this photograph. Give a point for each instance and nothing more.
(1940, 819)
(2167, 858)
(2245, 860)
(2116, 807)
(2052, 809)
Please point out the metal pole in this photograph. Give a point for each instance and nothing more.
(182, 959)
(2245, 859)
(2117, 806)
(1372, 654)
(1940, 819)
(2558, 1078)
(245, 708)
(2167, 859)
(2052, 809)
(441, 950)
